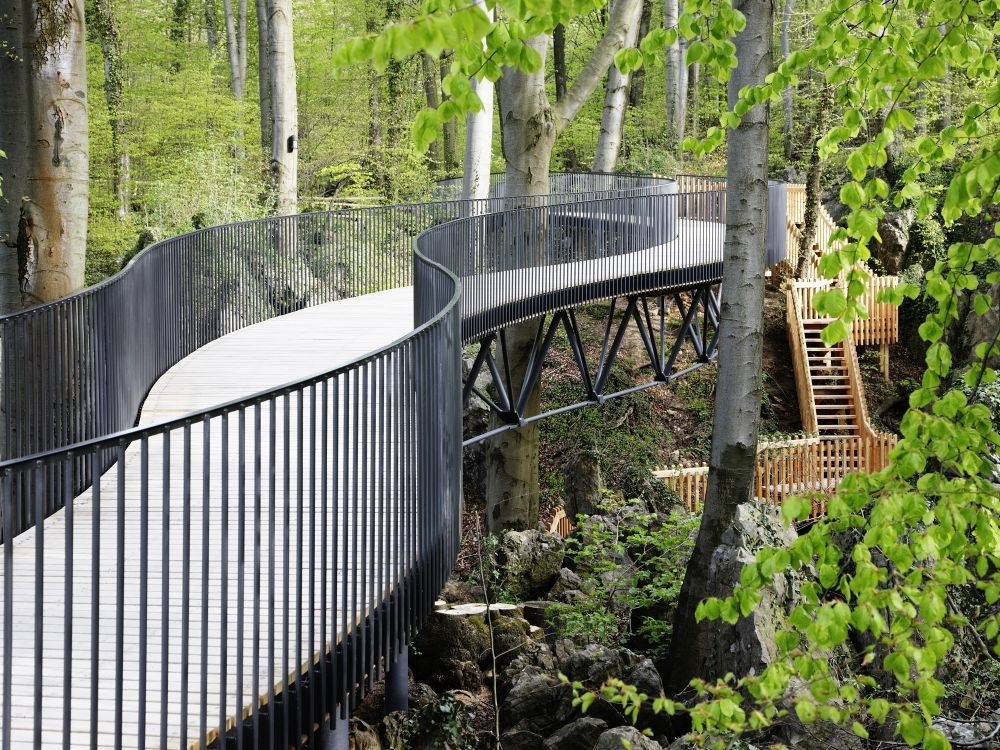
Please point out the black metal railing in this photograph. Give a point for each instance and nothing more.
(244, 573)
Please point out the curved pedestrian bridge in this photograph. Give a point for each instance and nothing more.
(234, 470)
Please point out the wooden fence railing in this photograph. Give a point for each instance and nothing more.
(807, 466)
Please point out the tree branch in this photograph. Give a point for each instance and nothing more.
(624, 13)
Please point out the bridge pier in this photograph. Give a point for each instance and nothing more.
(337, 738)
(397, 682)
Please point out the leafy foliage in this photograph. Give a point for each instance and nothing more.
(632, 568)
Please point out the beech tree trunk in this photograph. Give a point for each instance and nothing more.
(559, 60)
(637, 84)
(46, 173)
(531, 124)
(15, 141)
(479, 138)
(675, 63)
(609, 139)
(703, 649)
(810, 218)
(432, 93)
(786, 94)
(449, 132)
(114, 94)
(236, 44)
(694, 99)
(264, 76)
(211, 25)
(284, 121)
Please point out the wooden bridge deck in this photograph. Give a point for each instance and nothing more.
(195, 532)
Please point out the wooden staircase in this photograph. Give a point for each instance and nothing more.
(835, 408)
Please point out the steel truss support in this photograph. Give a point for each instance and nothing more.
(662, 341)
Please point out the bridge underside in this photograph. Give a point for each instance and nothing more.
(507, 390)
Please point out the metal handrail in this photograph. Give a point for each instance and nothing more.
(359, 493)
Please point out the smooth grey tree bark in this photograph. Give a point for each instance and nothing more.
(609, 138)
(236, 45)
(703, 649)
(479, 138)
(559, 60)
(46, 173)
(264, 76)
(106, 27)
(676, 89)
(285, 119)
(531, 124)
(211, 25)
(637, 83)
(786, 94)
(432, 94)
(14, 141)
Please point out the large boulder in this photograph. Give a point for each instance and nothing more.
(581, 734)
(582, 484)
(894, 229)
(536, 706)
(621, 737)
(531, 561)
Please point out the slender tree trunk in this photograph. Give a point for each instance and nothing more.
(236, 44)
(449, 133)
(211, 25)
(114, 93)
(531, 125)
(559, 60)
(786, 94)
(264, 76)
(637, 84)
(694, 97)
(945, 119)
(674, 64)
(284, 149)
(704, 649)
(432, 94)
(179, 20)
(609, 139)
(479, 138)
(680, 114)
(810, 217)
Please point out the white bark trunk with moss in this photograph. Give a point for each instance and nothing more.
(284, 121)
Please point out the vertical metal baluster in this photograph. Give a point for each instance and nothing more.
(120, 599)
(271, 601)
(206, 493)
(143, 583)
(299, 569)
(6, 509)
(241, 574)
(67, 499)
(186, 587)
(165, 594)
(286, 564)
(224, 578)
